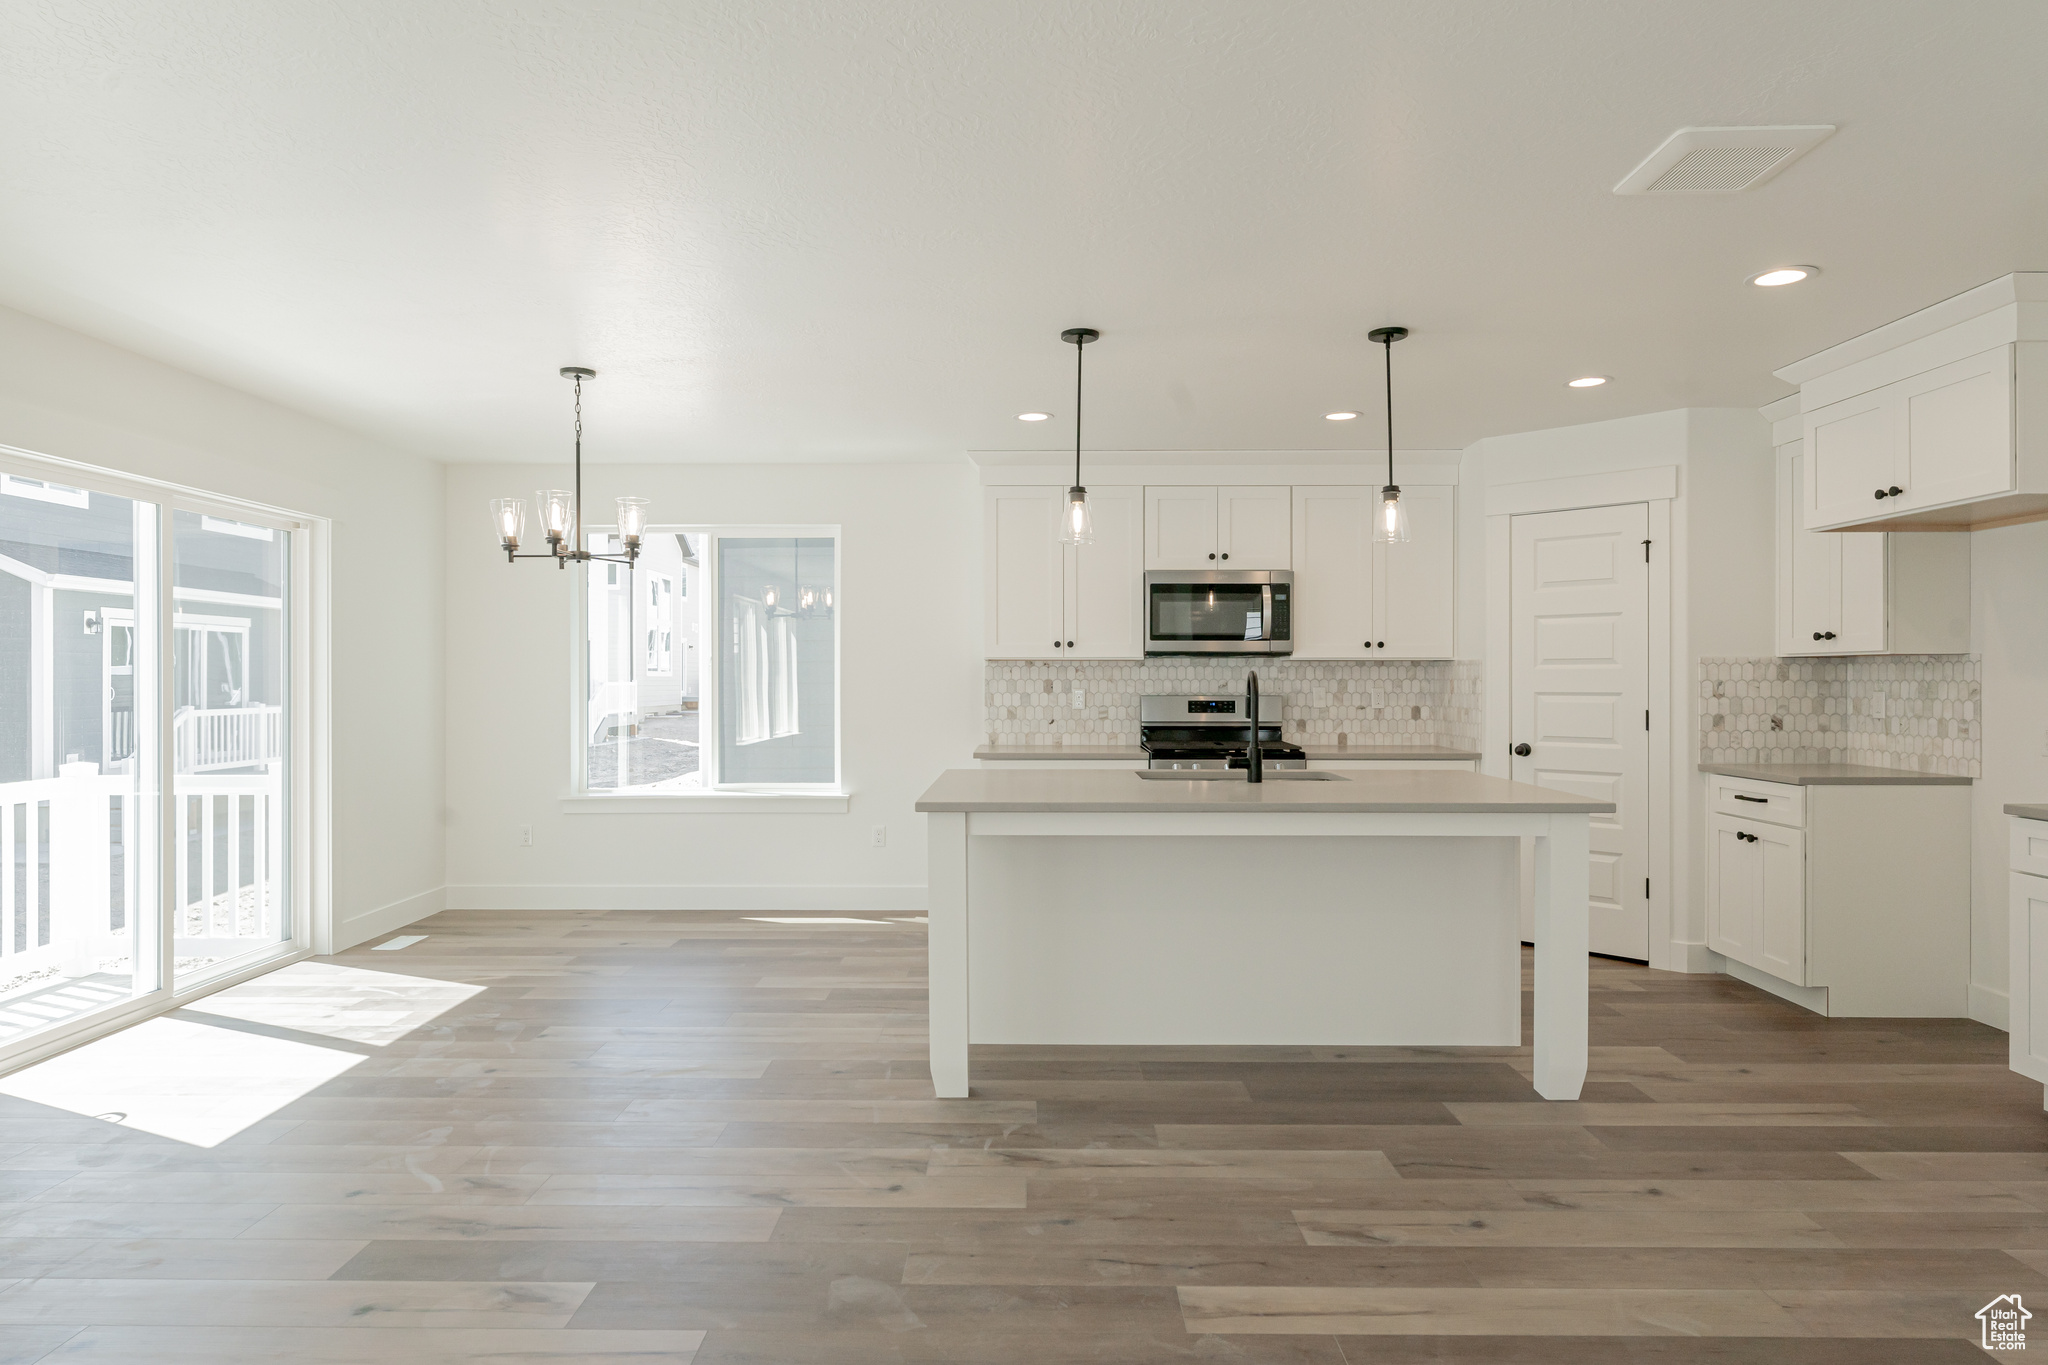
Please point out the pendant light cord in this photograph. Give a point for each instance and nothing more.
(577, 543)
(1387, 344)
(1079, 350)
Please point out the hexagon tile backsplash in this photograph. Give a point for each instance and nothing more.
(1915, 711)
(1327, 703)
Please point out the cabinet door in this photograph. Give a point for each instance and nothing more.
(1780, 856)
(1957, 424)
(1180, 528)
(1414, 583)
(2028, 980)
(1106, 580)
(1814, 564)
(1333, 580)
(1253, 528)
(1025, 563)
(1852, 449)
(1732, 890)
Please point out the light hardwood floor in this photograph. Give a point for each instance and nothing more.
(664, 1137)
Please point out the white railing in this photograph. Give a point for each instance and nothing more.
(74, 855)
(207, 741)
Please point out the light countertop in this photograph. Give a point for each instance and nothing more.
(1833, 775)
(1131, 753)
(1096, 790)
(2028, 812)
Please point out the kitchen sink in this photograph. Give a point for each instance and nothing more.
(1233, 775)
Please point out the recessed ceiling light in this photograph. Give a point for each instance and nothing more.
(1033, 416)
(1590, 381)
(1784, 274)
(1338, 416)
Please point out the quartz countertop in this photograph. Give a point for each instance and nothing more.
(2028, 812)
(1096, 790)
(1834, 775)
(1318, 753)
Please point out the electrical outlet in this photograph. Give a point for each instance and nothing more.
(880, 838)
(526, 836)
(1080, 699)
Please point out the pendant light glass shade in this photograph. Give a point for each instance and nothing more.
(632, 519)
(557, 510)
(508, 515)
(1390, 522)
(1077, 527)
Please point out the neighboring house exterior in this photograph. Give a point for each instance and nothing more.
(643, 636)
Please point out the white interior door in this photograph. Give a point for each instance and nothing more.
(1579, 693)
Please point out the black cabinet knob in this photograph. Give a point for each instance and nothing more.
(1381, 645)
(1829, 636)
(1816, 635)
(1070, 644)
(1212, 556)
(1055, 644)
(1894, 491)
(1879, 493)
(1226, 554)
(1521, 751)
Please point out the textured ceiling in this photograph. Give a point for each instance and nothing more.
(854, 231)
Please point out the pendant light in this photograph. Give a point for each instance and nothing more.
(561, 510)
(1077, 527)
(1390, 526)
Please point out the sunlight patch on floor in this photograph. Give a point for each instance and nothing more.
(349, 1003)
(186, 1081)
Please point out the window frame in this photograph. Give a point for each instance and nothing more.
(718, 797)
(308, 829)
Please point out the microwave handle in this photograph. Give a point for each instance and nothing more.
(1266, 623)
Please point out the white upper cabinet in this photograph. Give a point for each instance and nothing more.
(1865, 592)
(1180, 528)
(1025, 595)
(1414, 592)
(1105, 581)
(1355, 598)
(1333, 583)
(1936, 422)
(1253, 528)
(1217, 528)
(1047, 600)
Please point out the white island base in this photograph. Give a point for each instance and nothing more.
(1319, 914)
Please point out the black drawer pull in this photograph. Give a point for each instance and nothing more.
(1760, 800)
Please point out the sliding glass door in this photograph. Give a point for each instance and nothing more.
(230, 629)
(146, 697)
(79, 754)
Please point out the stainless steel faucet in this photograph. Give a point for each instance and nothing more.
(1254, 760)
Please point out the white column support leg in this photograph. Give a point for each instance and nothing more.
(946, 908)
(1561, 947)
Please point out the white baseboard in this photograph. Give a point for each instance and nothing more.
(385, 918)
(1989, 1005)
(1696, 958)
(900, 898)
(1813, 998)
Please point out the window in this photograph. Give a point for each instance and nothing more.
(729, 686)
(144, 764)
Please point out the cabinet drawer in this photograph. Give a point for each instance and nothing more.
(2029, 846)
(1776, 803)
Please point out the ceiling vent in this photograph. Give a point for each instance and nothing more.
(1720, 160)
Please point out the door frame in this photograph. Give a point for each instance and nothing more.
(1670, 701)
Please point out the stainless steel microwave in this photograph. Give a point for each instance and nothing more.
(1219, 611)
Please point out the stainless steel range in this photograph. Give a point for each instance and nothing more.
(1181, 731)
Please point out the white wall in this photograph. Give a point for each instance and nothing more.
(911, 684)
(67, 395)
(1722, 579)
(2009, 631)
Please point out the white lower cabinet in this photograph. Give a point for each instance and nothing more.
(1852, 900)
(2027, 960)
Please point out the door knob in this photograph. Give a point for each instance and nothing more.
(1521, 751)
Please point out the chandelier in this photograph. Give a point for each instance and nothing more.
(561, 510)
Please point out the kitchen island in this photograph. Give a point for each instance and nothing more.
(1093, 907)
